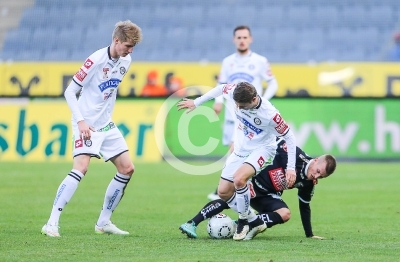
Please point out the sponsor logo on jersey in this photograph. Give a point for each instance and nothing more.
(228, 87)
(257, 121)
(249, 125)
(122, 70)
(88, 63)
(241, 76)
(112, 83)
(247, 133)
(278, 179)
(78, 143)
(261, 161)
(80, 75)
(108, 95)
(281, 127)
(88, 143)
(105, 71)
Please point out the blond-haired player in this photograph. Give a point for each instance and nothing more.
(94, 132)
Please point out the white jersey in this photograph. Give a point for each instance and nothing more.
(257, 127)
(99, 78)
(252, 68)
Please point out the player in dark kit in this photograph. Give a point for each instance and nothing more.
(267, 187)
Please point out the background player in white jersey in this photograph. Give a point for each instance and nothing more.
(258, 124)
(243, 65)
(93, 129)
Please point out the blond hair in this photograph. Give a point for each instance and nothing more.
(126, 31)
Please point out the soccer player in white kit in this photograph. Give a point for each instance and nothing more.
(257, 126)
(243, 65)
(94, 133)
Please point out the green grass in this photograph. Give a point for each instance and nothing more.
(357, 210)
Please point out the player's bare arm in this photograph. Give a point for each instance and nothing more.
(218, 108)
(290, 177)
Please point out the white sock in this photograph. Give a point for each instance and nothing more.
(113, 196)
(232, 203)
(65, 191)
(243, 201)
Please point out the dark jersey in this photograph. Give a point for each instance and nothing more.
(272, 180)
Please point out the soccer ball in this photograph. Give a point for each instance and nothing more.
(221, 226)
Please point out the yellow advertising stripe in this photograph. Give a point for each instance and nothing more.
(29, 132)
(321, 80)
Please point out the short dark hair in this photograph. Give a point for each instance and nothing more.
(244, 92)
(241, 27)
(330, 164)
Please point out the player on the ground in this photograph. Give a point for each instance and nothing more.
(267, 188)
(94, 132)
(258, 124)
(243, 65)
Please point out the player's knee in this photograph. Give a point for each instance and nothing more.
(83, 168)
(285, 214)
(128, 169)
(239, 181)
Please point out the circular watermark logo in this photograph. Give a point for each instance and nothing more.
(182, 129)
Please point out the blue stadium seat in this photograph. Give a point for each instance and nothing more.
(353, 16)
(17, 39)
(186, 55)
(43, 38)
(27, 55)
(381, 16)
(96, 39)
(218, 16)
(86, 16)
(203, 38)
(272, 16)
(325, 16)
(298, 16)
(339, 38)
(141, 15)
(152, 38)
(80, 55)
(244, 15)
(60, 17)
(190, 16)
(216, 54)
(286, 38)
(164, 15)
(69, 38)
(311, 39)
(177, 38)
(33, 18)
(56, 55)
(162, 55)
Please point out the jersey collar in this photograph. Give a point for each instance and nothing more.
(259, 102)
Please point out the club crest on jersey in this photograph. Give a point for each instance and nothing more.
(257, 121)
(112, 83)
(78, 143)
(88, 63)
(251, 67)
(80, 75)
(122, 70)
(105, 71)
(228, 87)
(88, 143)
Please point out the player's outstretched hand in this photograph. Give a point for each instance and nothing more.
(317, 237)
(290, 177)
(186, 104)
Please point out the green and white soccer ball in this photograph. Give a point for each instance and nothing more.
(221, 226)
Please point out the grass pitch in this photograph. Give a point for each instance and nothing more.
(357, 210)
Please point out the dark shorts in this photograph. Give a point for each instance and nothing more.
(264, 202)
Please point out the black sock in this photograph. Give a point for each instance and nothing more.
(271, 218)
(210, 209)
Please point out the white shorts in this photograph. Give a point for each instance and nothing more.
(228, 131)
(258, 159)
(108, 144)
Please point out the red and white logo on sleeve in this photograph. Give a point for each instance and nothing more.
(80, 75)
(228, 87)
(88, 63)
(281, 126)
